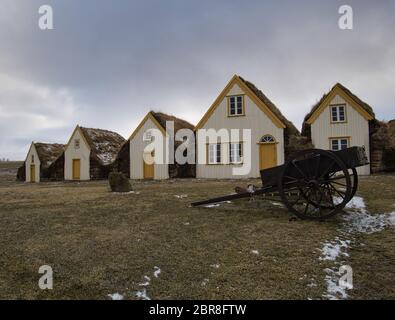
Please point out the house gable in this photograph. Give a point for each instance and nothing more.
(77, 133)
(28, 162)
(83, 153)
(337, 90)
(149, 116)
(237, 86)
(137, 148)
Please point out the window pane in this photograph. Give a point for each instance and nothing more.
(231, 153)
(341, 113)
(334, 114)
(344, 144)
(232, 102)
(218, 153)
(335, 145)
(211, 153)
(239, 108)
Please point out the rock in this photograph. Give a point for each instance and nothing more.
(119, 182)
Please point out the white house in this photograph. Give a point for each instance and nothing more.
(340, 120)
(89, 153)
(241, 105)
(39, 159)
(142, 136)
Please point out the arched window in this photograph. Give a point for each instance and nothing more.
(267, 139)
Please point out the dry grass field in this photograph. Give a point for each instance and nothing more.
(152, 244)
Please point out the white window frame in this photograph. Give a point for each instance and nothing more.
(236, 152)
(236, 104)
(335, 111)
(339, 143)
(214, 153)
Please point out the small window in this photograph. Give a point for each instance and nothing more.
(338, 113)
(267, 139)
(32, 158)
(339, 144)
(77, 143)
(148, 136)
(236, 105)
(235, 153)
(214, 153)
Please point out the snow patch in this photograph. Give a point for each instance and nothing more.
(116, 296)
(255, 252)
(124, 193)
(181, 196)
(216, 204)
(333, 250)
(142, 294)
(357, 220)
(215, 266)
(157, 272)
(205, 282)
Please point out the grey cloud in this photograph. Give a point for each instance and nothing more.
(116, 60)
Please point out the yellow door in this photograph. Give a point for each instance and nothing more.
(148, 169)
(267, 155)
(76, 169)
(32, 173)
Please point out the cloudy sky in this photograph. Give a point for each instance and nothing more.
(107, 63)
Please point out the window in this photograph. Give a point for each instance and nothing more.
(77, 143)
(339, 144)
(214, 153)
(338, 113)
(236, 153)
(147, 136)
(236, 105)
(32, 158)
(267, 139)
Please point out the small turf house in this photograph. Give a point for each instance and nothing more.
(39, 160)
(241, 105)
(90, 153)
(130, 160)
(340, 120)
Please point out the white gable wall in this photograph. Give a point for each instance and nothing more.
(137, 146)
(356, 128)
(254, 119)
(28, 163)
(82, 153)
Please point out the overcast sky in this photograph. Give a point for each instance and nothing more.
(107, 63)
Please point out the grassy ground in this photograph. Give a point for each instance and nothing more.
(100, 243)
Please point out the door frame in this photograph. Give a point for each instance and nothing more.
(273, 143)
(151, 166)
(73, 175)
(33, 170)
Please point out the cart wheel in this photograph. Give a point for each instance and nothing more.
(354, 183)
(316, 184)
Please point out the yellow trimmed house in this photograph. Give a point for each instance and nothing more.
(39, 158)
(241, 105)
(130, 160)
(90, 153)
(340, 120)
